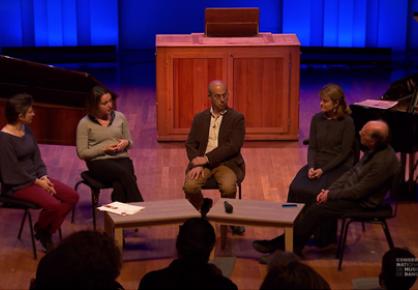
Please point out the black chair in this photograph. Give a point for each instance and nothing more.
(95, 187)
(377, 215)
(14, 203)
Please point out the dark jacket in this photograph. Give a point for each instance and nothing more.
(230, 141)
(181, 274)
(369, 180)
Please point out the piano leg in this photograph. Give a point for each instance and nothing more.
(412, 167)
(409, 176)
(403, 165)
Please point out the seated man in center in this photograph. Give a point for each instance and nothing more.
(214, 148)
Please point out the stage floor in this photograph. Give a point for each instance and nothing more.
(160, 171)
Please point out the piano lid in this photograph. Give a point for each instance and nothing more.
(59, 97)
(406, 92)
(46, 83)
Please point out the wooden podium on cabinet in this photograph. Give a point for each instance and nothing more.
(261, 72)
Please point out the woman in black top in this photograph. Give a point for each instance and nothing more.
(23, 174)
(330, 153)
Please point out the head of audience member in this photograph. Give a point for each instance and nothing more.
(195, 240)
(374, 134)
(333, 102)
(218, 95)
(101, 102)
(19, 109)
(84, 260)
(286, 271)
(393, 274)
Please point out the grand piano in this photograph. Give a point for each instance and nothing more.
(402, 120)
(59, 97)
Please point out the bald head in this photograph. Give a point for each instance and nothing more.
(218, 95)
(374, 134)
(216, 85)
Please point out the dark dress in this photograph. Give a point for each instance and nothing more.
(331, 148)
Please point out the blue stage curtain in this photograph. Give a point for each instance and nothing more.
(132, 24)
(58, 22)
(348, 23)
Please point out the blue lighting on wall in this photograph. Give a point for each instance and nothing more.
(58, 22)
(133, 24)
(348, 23)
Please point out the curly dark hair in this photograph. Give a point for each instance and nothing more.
(17, 105)
(84, 260)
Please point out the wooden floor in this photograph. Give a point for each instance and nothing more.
(160, 171)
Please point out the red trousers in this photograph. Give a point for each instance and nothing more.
(54, 207)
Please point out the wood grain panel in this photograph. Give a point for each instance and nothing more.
(52, 124)
(191, 77)
(262, 74)
(260, 95)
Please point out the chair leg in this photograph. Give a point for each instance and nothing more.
(340, 238)
(239, 191)
(19, 235)
(75, 189)
(94, 203)
(340, 262)
(387, 234)
(35, 256)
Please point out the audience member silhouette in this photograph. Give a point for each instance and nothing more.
(285, 271)
(84, 260)
(396, 272)
(191, 270)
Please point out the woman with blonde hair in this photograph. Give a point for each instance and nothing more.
(331, 152)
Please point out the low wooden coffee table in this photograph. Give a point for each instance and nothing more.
(258, 213)
(163, 212)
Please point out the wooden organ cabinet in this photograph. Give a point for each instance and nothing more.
(261, 72)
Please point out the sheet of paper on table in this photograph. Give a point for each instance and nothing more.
(121, 208)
